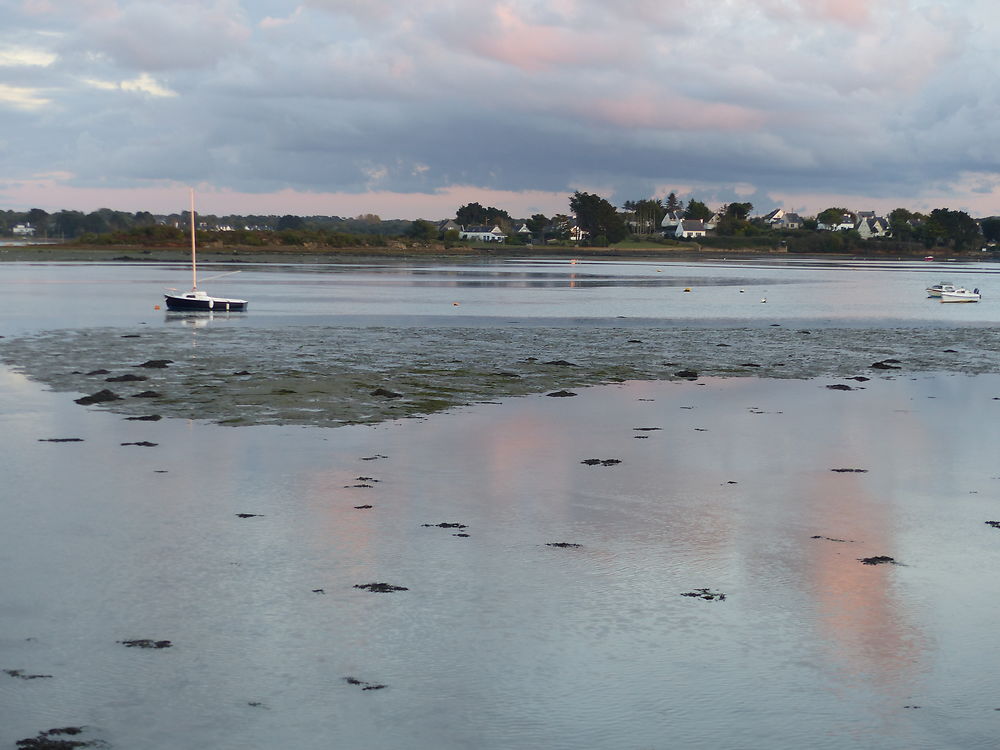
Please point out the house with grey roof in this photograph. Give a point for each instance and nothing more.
(689, 228)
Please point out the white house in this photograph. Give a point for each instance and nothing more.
(670, 221)
(788, 220)
(690, 228)
(874, 226)
(24, 230)
(846, 222)
(482, 234)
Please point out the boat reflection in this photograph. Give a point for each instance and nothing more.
(197, 318)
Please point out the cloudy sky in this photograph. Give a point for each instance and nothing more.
(412, 108)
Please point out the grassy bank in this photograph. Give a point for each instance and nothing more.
(212, 253)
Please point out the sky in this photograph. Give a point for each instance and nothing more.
(412, 109)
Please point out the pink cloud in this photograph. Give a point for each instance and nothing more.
(642, 109)
(50, 193)
(847, 12)
(535, 47)
(89, 9)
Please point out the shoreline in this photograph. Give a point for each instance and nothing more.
(68, 253)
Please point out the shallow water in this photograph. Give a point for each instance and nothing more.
(546, 293)
(502, 641)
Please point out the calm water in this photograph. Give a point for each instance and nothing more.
(502, 641)
(491, 294)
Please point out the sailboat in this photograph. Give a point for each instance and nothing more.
(198, 299)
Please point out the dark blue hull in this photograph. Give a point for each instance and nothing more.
(204, 304)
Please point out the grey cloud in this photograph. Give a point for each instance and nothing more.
(349, 95)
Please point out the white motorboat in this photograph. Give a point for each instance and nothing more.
(199, 299)
(935, 290)
(960, 294)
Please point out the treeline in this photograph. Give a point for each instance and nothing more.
(107, 226)
(592, 220)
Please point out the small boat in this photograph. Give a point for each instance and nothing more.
(199, 299)
(961, 294)
(934, 290)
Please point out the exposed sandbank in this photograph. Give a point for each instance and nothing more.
(330, 376)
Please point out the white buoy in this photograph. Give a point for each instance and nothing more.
(763, 299)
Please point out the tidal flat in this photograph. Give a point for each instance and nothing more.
(503, 535)
(335, 375)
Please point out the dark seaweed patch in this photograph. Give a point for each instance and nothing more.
(877, 560)
(98, 398)
(706, 594)
(380, 587)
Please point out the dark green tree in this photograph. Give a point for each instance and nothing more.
(991, 228)
(598, 217)
(96, 223)
(954, 228)
(697, 210)
(289, 222)
(537, 223)
(901, 223)
(423, 231)
(471, 214)
(740, 211)
(645, 215)
(68, 224)
(831, 216)
(39, 219)
(672, 203)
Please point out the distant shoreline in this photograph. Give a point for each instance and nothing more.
(72, 253)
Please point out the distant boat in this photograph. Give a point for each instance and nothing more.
(934, 290)
(961, 295)
(198, 299)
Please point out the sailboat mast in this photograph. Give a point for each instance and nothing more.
(194, 262)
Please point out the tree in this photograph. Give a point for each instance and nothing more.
(95, 223)
(471, 214)
(423, 231)
(697, 210)
(144, 219)
(369, 218)
(672, 203)
(597, 217)
(289, 222)
(734, 219)
(646, 214)
(537, 223)
(68, 224)
(39, 219)
(474, 214)
(956, 228)
(901, 223)
(991, 228)
(559, 226)
(740, 211)
(831, 216)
